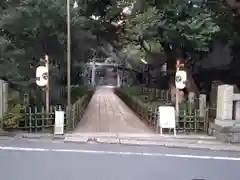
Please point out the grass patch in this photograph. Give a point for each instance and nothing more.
(80, 91)
(142, 98)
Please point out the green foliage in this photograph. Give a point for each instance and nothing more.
(136, 95)
(29, 30)
(193, 26)
(181, 24)
(32, 29)
(12, 118)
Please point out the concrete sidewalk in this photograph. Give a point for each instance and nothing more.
(179, 141)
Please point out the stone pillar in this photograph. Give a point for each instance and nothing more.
(93, 74)
(191, 100)
(118, 80)
(224, 102)
(202, 105)
(5, 97)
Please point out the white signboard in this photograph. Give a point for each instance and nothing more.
(59, 123)
(167, 118)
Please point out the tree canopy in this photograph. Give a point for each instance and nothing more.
(188, 25)
(30, 29)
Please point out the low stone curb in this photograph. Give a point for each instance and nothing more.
(41, 136)
(200, 146)
(166, 142)
(74, 140)
(186, 146)
(7, 134)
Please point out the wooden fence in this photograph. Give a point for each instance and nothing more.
(190, 119)
(35, 119)
(79, 108)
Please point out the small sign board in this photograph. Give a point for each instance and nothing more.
(59, 123)
(167, 118)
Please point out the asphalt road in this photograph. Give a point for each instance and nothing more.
(48, 160)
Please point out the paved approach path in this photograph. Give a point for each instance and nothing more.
(106, 113)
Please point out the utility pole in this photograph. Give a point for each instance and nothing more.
(69, 105)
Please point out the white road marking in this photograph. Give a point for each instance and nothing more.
(8, 148)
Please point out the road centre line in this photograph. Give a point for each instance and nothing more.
(123, 153)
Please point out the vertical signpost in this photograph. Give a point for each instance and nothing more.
(42, 80)
(180, 83)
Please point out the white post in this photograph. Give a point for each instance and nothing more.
(59, 123)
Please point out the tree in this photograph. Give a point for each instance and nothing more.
(182, 24)
(31, 29)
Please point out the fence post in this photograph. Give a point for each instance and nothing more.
(30, 118)
(36, 116)
(73, 115)
(157, 120)
(43, 118)
(1, 104)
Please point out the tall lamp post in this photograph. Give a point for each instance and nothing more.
(69, 104)
(69, 67)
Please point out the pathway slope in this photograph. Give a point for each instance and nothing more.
(106, 113)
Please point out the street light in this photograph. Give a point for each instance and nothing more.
(69, 61)
(69, 105)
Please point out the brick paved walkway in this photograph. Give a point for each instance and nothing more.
(106, 113)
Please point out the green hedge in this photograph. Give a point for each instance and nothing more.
(15, 113)
(136, 95)
(132, 100)
(133, 96)
(79, 91)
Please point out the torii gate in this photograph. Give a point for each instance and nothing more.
(94, 64)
